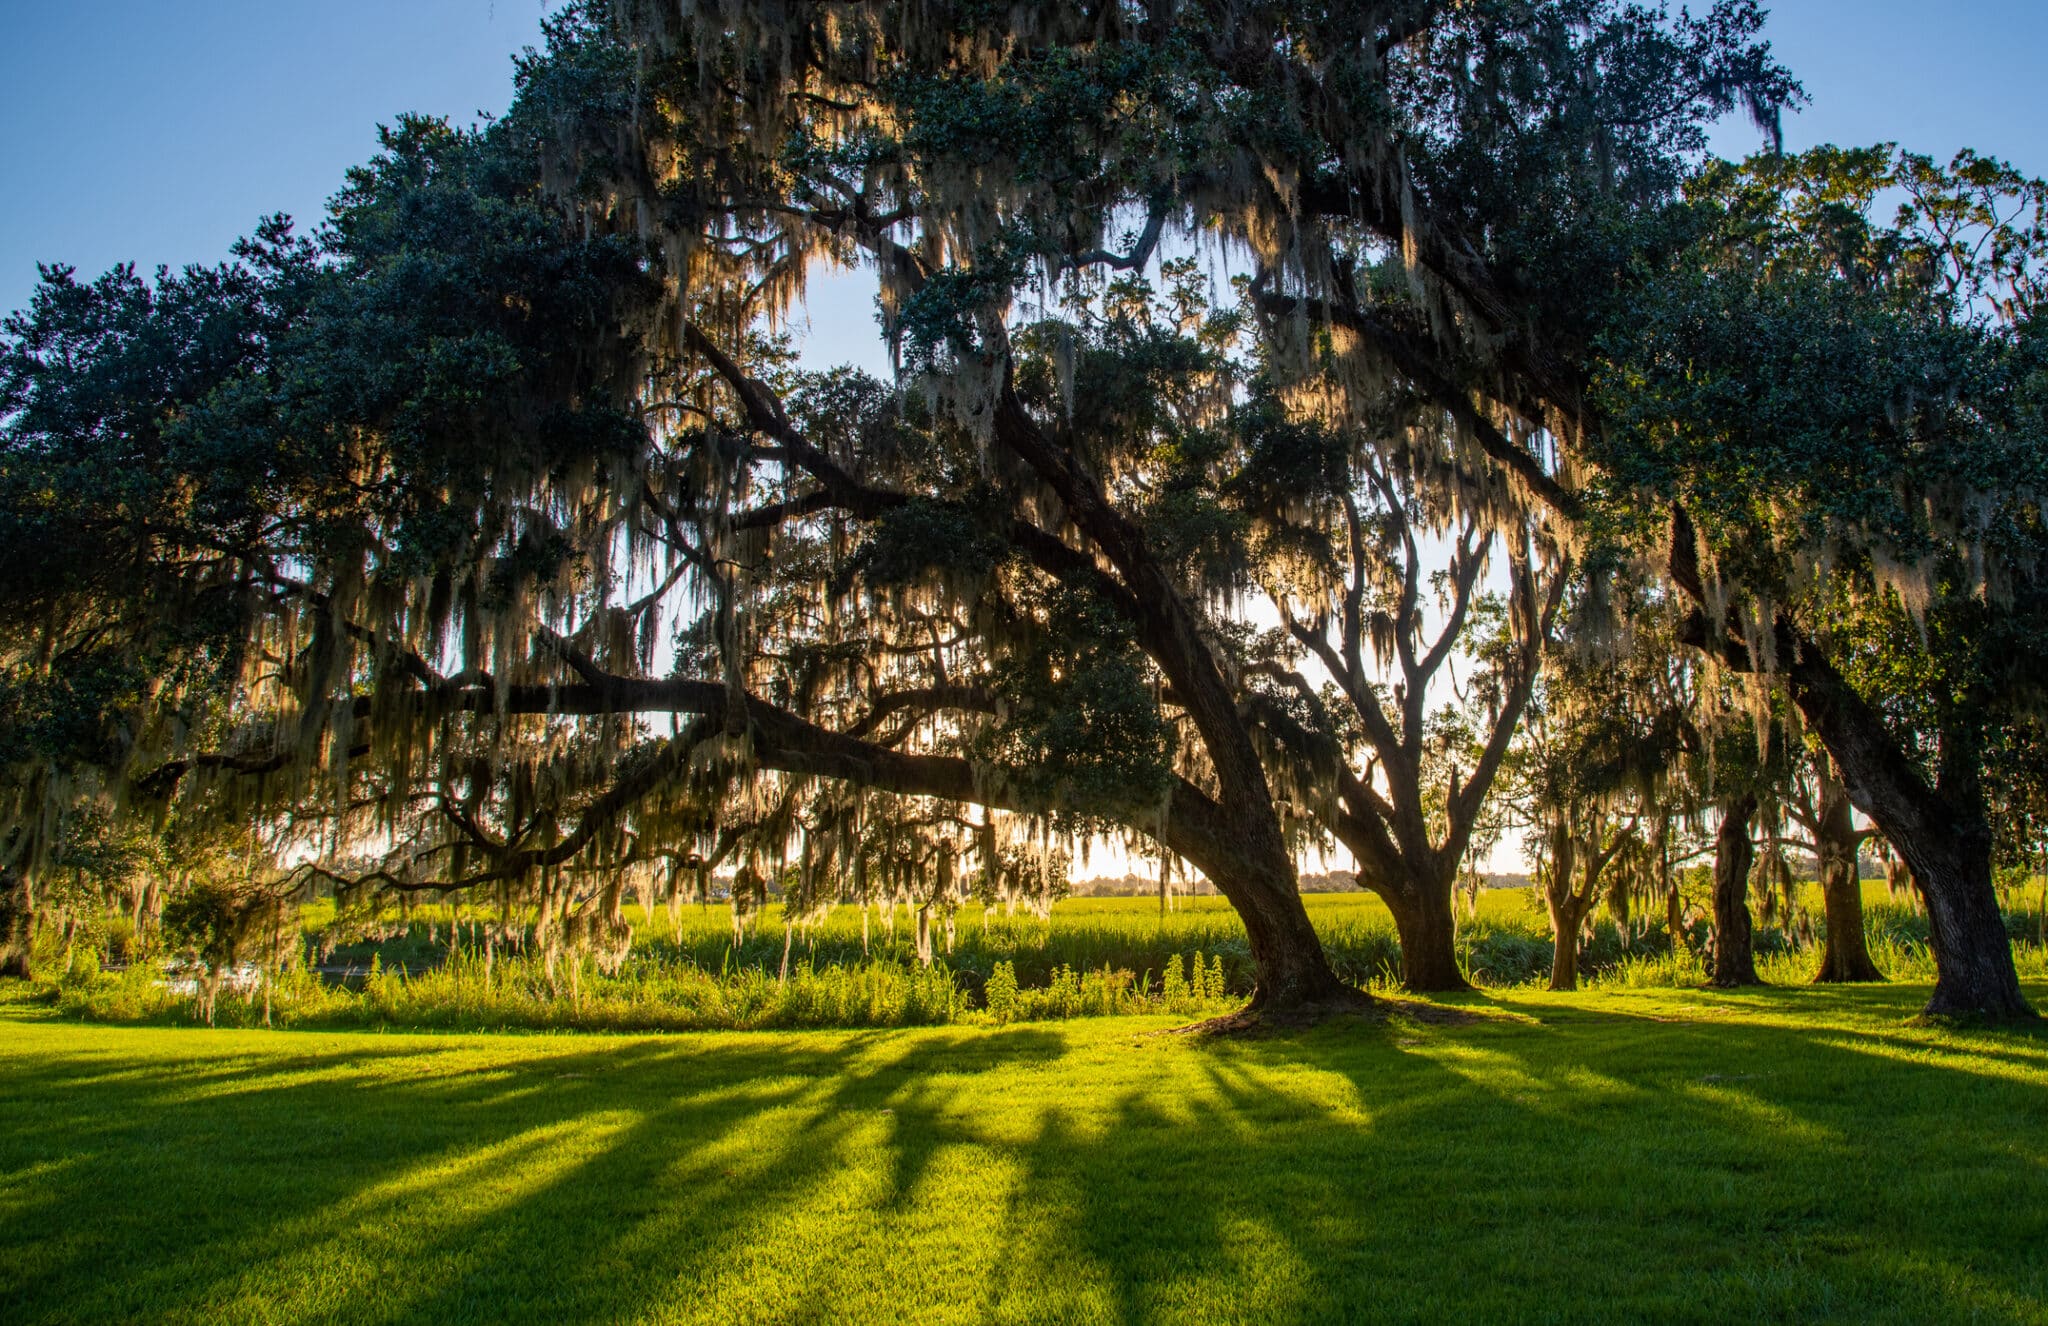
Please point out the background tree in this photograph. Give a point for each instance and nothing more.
(1391, 763)
(1843, 412)
(1819, 804)
(1592, 773)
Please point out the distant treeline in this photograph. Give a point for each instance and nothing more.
(1329, 881)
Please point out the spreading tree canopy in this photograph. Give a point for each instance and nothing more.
(490, 536)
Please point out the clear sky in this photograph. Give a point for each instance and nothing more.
(158, 130)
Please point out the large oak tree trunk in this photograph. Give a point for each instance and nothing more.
(1734, 853)
(1240, 847)
(1945, 841)
(1244, 849)
(1293, 972)
(1974, 973)
(1844, 955)
(1428, 932)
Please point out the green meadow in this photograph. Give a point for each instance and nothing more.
(1780, 1154)
(691, 969)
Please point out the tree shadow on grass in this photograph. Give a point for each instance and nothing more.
(1568, 1162)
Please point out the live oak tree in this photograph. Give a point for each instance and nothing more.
(1819, 804)
(473, 705)
(503, 490)
(237, 498)
(1397, 769)
(974, 158)
(1595, 771)
(1845, 415)
(515, 479)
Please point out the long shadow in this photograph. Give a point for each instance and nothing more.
(510, 1154)
(1674, 1161)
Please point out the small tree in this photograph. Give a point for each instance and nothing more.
(1819, 804)
(1592, 765)
(217, 926)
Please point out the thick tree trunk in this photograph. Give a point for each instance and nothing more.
(1293, 973)
(1946, 846)
(1244, 849)
(1973, 963)
(1238, 844)
(1428, 932)
(1844, 955)
(1566, 917)
(1734, 853)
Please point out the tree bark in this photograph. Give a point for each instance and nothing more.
(1566, 917)
(1566, 903)
(1845, 954)
(1734, 853)
(1945, 840)
(1427, 930)
(1294, 974)
(1257, 871)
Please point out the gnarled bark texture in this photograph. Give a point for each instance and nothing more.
(1427, 928)
(1940, 828)
(1945, 840)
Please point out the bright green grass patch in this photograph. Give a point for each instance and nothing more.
(1789, 1154)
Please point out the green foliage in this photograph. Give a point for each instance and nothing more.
(1000, 992)
(1082, 727)
(923, 536)
(400, 513)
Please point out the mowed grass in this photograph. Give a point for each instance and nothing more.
(1627, 1155)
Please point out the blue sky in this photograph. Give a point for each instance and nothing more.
(158, 130)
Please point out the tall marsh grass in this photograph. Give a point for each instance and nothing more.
(438, 968)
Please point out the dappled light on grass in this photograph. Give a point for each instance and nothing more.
(1084, 1170)
(2020, 1063)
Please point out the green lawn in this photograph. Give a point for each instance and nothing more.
(1615, 1156)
